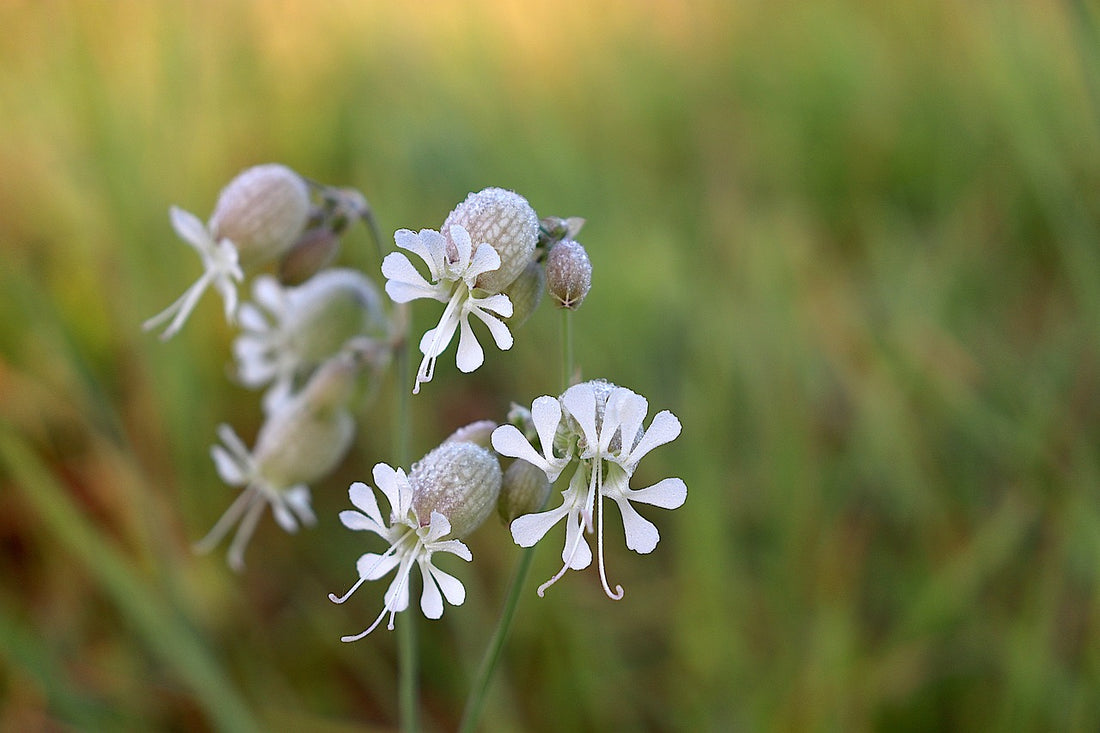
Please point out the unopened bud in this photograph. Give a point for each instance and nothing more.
(507, 222)
(459, 480)
(568, 274)
(313, 251)
(523, 490)
(476, 432)
(262, 211)
(525, 292)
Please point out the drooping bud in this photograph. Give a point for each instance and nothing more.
(476, 432)
(262, 211)
(523, 490)
(506, 221)
(459, 480)
(312, 252)
(525, 292)
(568, 274)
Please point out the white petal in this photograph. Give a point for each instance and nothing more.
(486, 259)
(298, 499)
(664, 429)
(576, 554)
(404, 282)
(385, 478)
(530, 528)
(362, 497)
(428, 245)
(431, 602)
(546, 415)
(359, 521)
(580, 402)
(228, 467)
(500, 304)
(452, 587)
(668, 493)
(470, 354)
(461, 239)
(373, 566)
(508, 441)
(190, 229)
(501, 335)
(641, 534)
(438, 526)
(454, 547)
(631, 409)
(283, 516)
(252, 320)
(267, 291)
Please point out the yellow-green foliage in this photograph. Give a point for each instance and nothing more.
(854, 246)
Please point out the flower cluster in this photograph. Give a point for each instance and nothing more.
(309, 339)
(597, 426)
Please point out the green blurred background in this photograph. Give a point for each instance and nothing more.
(852, 245)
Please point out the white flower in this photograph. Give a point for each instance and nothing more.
(220, 269)
(297, 445)
(287, 332)
(412, 542)
(454, 270)
(600, 429)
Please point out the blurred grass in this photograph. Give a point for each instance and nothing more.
(852, 246)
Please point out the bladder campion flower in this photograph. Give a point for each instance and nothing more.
(598, 425)
(453, 279)
(486, 243)
(258, 216)
(288, 331)
(447, 495)
(298, 444)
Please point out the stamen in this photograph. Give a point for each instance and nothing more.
(618, 594)
(427, 364)
(568, 560)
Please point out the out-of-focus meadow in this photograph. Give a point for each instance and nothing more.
(852, 245)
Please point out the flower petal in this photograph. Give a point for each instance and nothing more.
(464, 246)
(470, 354)
(229, 468)
(431, 602)
(530, 528)
(501, 335)
(428, 245)
(508, 441)
(668, 493)
(452, 587)
(580, 402)
(485, 259)
(641, 534)
(404, 282)
(373, 566)
(663, 429)
(190, 229)
(298, 499)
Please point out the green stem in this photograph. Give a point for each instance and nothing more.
(407, 692)
(566, 348)
(479, 690)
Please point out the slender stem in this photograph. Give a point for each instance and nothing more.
(407, 692)
(476, 700)
(566, 348)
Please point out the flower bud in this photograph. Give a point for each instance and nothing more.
(523, 490)
(459, 480)
(312, 252)
(476, 432)
(507, 222)
(525, 292)
(262, 211)
(568, 274)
